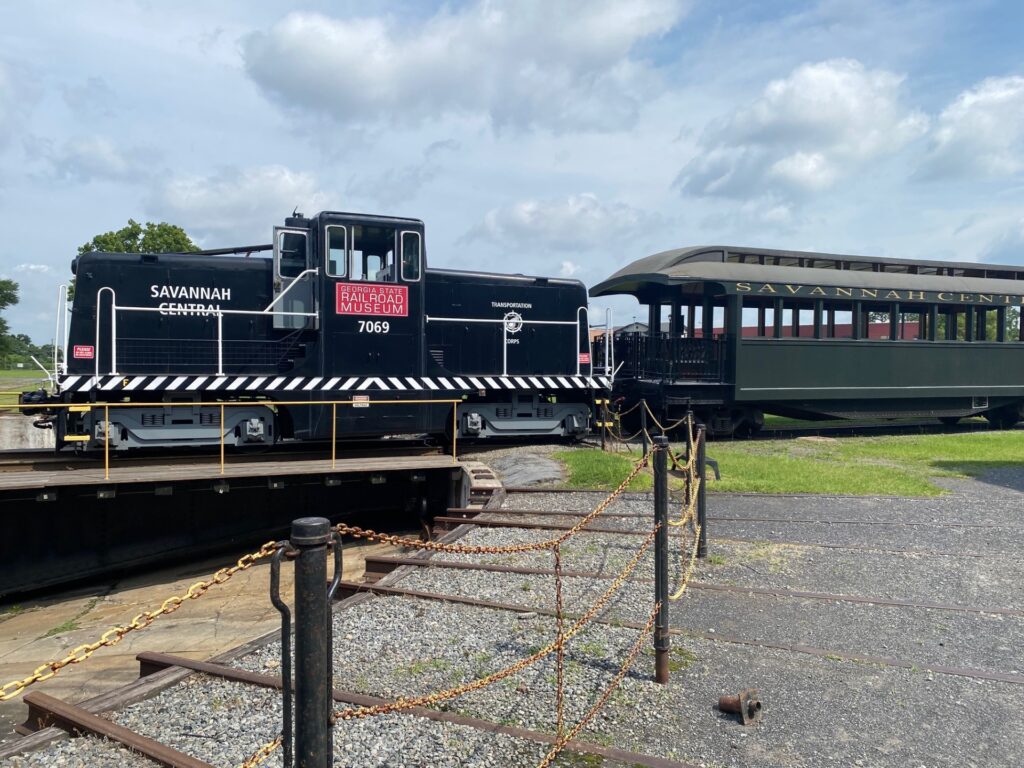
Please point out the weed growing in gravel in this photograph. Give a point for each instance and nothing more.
(716, 559)
(425, 665)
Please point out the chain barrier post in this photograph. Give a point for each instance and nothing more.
(702, 505)
(604, 422)
(313, 663)
(661, 636)
(643, 428)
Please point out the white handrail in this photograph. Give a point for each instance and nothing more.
(576, 344)
(218, 313)
(281, 295)
(62, 308)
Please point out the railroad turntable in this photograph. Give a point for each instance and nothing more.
(848, 614)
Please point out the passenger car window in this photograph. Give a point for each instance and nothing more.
(337, 250)
(411, 256)
(373, 254)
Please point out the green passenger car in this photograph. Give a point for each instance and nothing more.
(736, 333)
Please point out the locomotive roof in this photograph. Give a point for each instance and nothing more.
(716, 263)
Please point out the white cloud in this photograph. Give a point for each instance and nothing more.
(37, 268)
(558, 65)
(569, 268)
(804, 133)
(981, 133)
(9, 102)
(89, 158)
(568, 224)
(236, 206)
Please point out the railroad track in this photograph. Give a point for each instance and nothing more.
(400, 577)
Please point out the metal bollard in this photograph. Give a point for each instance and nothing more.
(313, 663)
(643, 426)
(661, 625)
(702, 498)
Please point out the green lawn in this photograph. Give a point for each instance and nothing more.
(899, 465)
(18, 380)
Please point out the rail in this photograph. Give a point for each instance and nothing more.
(513, 322)
(218, 313)
(106, 424)
(307, 736)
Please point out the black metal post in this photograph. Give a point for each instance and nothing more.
(604, 422)
(661, 625)
(286, 655)
(643, 426)
(313, 663)
(702, 506)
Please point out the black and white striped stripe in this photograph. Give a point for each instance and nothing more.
(290, 385)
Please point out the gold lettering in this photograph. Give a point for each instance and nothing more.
(816, 291)
(985, 298)
(1007, 299)
(844, 292)
(742, 287)
(943, 296)
(893, 295)
(966, 297)
(766, 288)
(915, 296)
(793, 289)
(868, 292)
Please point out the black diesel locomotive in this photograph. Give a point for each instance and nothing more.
(345, 309)
(734, 333)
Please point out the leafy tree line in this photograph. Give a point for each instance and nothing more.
(133, 238)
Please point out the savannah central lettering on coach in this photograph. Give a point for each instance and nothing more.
(193, 293)
(371, 299)
(879, 294)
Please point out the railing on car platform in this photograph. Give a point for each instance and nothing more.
(661, 356)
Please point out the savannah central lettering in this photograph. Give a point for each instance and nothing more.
(194, 294)
(878, 294)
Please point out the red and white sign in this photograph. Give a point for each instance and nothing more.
(84, 352)
(584, 358)
(371, 299)
(360, 401)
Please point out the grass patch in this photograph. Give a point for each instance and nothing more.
(68, 626)
(591, 468)
(897, 465)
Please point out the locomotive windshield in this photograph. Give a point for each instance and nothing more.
(373, 254)
(292, 247)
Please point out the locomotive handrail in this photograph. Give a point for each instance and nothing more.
(523, 321)
(281, 295)
(218, 313)
(60, 340)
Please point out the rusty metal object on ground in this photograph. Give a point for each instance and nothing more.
(746, 704)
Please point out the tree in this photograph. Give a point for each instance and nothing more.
(136, 238)
(8, 297)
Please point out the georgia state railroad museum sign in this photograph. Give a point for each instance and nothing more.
(371, 299)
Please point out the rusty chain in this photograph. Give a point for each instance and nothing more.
(658, 424)
(603, 699)
(560, 662)
(401, 704)
(141, 621)
(689, 568)
(261, 754)
(479, 549)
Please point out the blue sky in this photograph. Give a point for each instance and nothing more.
(558, 138)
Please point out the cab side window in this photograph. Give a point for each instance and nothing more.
(291, 253)
(337, 250)
(411, 257)
(373, 254)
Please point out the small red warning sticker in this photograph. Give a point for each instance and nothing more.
(584, 358)
(371, 299)
(84, 352)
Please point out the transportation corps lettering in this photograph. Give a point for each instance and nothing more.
(371, 299)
